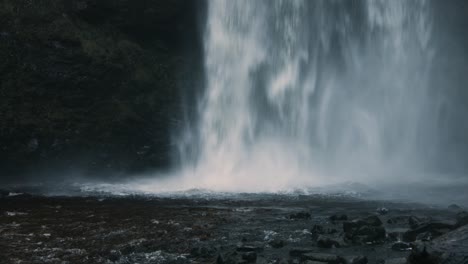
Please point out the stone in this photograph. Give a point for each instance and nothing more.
(317, 229)
(382, 211)
(368, 234)
(337, 217)
(356, 260)
(435, 228)
(423, 257)
(394, 236)
(400, 220)
(250, 257)
(322, 257)
(297, 252)
(454, 207)
(396, 261)
(327, 242)
(462, 219)
(401, 246)
(202, 251)
(220, 259)
(414, 222)
(277, 243)
(358, 223)
(365, 230)
(425, 237)
(250, 247)
(300, 215)
(4, 193)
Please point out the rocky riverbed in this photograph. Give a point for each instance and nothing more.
(310, 229)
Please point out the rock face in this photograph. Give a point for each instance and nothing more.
(93, 84)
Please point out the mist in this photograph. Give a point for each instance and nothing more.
(293, 96)
(309, 94)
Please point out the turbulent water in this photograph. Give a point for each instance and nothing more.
(304, 93)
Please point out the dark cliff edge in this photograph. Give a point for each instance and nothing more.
(93, 86)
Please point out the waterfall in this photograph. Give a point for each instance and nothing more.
(302, 93)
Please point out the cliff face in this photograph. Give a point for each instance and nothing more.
(93, 85)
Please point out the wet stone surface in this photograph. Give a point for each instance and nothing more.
(270, 229)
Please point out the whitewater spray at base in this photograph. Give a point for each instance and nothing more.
(302, 93)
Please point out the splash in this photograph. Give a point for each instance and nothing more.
(305, 93)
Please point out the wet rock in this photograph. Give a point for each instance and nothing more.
(220, 259)
(204, 252)
(394, 236)
(358, 223)
(401, 246)
(462, 218)
(396, 261)
(4, 193)
(425, 237)
(398, 220)
(423, 257)
(454, 207)
(249, 257)
(33, 144)
(114, 255)
(414, 222)
(229, 258)
(300, 215)
(320, 230)
(297, 252)
(366, 230)
(368, 234)
(434, 228)
(277, 243)
(382, 211)
(327, 242)
(250, 247)
(317, 229)
(339, 217)
(322, 257)
(356, 260)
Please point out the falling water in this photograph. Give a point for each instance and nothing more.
(304, 92)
